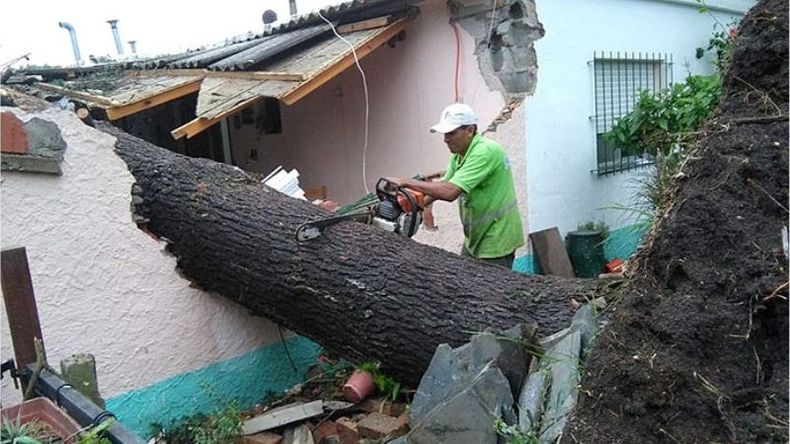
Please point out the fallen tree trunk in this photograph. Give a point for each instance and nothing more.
(360, 292)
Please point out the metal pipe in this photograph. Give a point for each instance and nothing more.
(79, 407)
(74, 45)
(114, 26)
(133, 45)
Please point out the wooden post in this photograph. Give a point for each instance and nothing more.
(20, 305)
(85, 116)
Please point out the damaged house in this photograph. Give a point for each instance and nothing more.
(344, 97)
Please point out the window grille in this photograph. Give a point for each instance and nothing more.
(618, 80)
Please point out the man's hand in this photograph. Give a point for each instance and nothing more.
(399, 181)
(440, 190)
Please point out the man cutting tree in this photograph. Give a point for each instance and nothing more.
(479, 173)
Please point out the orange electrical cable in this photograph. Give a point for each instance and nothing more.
(457, 58)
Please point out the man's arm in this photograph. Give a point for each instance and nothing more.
(441, 190)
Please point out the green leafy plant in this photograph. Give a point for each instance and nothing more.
(658, 122)
(95, 435)
(514, 434)
(385, 385)
(225, 426)
(32, 432)
(599, 226)
(720, 43)
(664, 124)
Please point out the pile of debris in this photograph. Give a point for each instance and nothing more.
(494, 388)
(328, 422)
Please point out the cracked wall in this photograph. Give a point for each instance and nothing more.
(504, 41)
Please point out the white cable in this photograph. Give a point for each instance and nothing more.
(491, 26)
(367, 101)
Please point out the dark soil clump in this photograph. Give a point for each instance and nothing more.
(697, 350)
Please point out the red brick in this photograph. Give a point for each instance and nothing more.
(347, 429)
(13, 138)
(378, 425)
(263, 438)
(326, 433)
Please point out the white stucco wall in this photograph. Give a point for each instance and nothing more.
(560, 135)
(103, 286)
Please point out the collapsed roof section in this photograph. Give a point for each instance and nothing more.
(286, 63)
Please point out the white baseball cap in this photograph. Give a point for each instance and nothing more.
(455, 115)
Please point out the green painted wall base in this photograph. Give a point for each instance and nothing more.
(621, 243)
(246, 379)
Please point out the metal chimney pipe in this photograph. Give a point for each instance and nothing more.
(292, 5)
(74, 45)
(133, 45)
(268, 17)
(116, 36)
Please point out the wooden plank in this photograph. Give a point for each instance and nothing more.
(247, 75)
(282, 416)
(217, 92)
(200, 124)
(164, 96)
(170, 72)
(20, 305)
(231, 104)
(100, 100)
(258, 75)
(377, 22)
(348, 60)
(550, 252)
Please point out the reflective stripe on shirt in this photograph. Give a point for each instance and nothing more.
(490, 217)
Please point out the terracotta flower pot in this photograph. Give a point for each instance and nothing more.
(44, 411)
(359, 386)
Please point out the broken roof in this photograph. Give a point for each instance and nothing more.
(287, 63)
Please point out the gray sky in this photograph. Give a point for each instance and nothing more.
(158, 26)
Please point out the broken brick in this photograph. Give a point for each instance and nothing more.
(347, 429)
(382, 406)
(263, 438)
(379, 425)
(326, 433)
(13, 139)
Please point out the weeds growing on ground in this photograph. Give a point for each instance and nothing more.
(225, 426)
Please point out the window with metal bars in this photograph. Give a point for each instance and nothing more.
(618, 80)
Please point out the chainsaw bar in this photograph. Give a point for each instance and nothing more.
(311, 230)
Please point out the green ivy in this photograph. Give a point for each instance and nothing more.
(660, 121)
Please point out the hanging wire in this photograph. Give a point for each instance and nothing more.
(457, 58)
(367, 102)
(491, 26)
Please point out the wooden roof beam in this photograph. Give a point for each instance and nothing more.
(377, 22)
(164, 96)
(99, 100)
(348, 60)
(200, 124)
(246, 75)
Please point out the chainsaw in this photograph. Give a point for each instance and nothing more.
(396, 209)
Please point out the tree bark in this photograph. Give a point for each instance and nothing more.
(360, 292)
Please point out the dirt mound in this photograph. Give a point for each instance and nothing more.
(698, 348)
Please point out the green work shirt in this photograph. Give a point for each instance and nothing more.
(488, 206)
